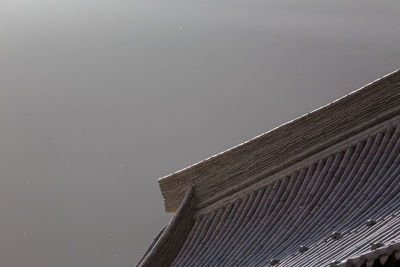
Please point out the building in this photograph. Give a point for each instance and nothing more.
(321, 190)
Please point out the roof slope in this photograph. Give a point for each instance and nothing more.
(334, 197)
(339, 193)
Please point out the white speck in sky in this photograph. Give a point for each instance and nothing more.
(180, 28)
(110, 234)
(25, 234)
(197, 64)
(122, 165)
(28, 182)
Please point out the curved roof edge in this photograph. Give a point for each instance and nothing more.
(246, 164)
(169, 241)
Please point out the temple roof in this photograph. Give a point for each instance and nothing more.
(229, 172)
(323, 189)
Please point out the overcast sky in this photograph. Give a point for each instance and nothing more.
(100, 98)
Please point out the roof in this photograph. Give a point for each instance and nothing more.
(321, 190)
(229, 172)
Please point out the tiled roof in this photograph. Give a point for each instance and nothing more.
(230, 171)
(337, 194)
(337, 205)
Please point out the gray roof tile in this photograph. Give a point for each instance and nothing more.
(341, 209)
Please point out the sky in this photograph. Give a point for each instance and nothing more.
(100, 98)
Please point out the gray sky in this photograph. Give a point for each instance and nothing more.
(99, 98)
